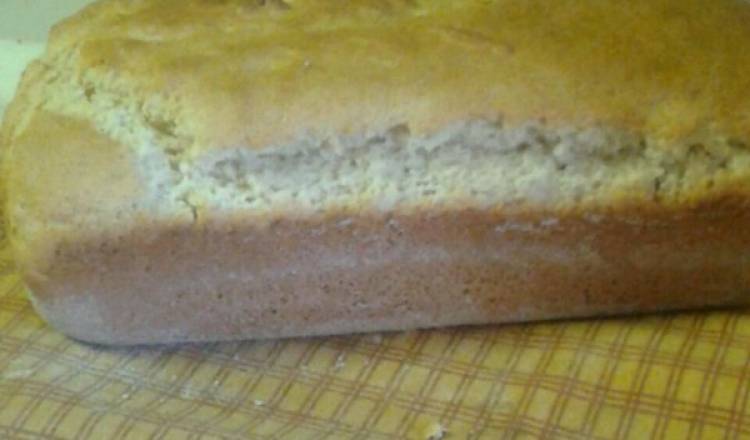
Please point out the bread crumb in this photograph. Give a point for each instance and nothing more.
(340, 362)
(187, 393)
(435, 431)
(344, 223)
(17, 374)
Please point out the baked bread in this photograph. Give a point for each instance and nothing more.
(197, 170)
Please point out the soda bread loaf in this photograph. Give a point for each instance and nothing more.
(197, 170)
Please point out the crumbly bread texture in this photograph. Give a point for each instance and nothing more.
(202, 170)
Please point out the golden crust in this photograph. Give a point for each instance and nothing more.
(61, 168)
(65, 181)
(259, 73)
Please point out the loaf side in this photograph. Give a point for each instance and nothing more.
(259, 161)
(347, 274)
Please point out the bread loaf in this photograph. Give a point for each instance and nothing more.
(198, 170)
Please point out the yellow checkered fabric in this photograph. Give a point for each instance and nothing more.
(681, 376)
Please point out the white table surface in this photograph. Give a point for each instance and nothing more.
(23, 31)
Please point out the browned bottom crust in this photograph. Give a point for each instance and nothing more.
(370, 273)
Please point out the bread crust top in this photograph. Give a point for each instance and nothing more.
(259, 73)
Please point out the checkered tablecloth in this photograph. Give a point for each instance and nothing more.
(684, 376)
